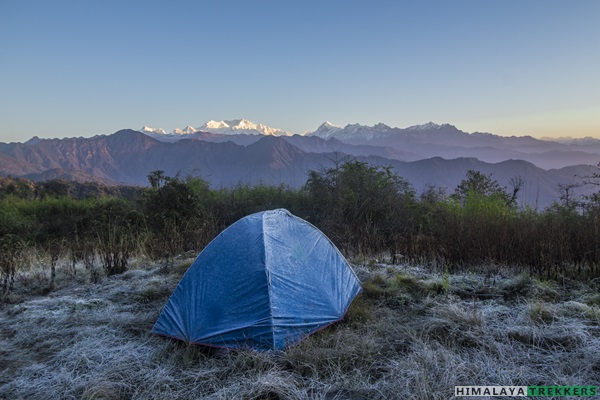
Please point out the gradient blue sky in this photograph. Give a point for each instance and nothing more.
(512, 67)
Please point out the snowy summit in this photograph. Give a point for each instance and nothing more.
(327, 130)
(185, 131)
(232, 127)
(241, 126)
(147, 129)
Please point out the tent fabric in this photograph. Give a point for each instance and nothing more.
(265, 282)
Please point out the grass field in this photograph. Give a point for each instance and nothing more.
(411, 334)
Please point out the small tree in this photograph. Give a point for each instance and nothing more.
(156, 178)
(516, 184)
(479, 184)
(358, 204)
(568, 196)
(119, 229)
(10, 248)
(173, 211)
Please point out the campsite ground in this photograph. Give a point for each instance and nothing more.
(412, 333)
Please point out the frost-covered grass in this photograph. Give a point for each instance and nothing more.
(411, 334)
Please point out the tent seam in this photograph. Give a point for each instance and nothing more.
(268, 273)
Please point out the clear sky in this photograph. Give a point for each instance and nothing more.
(510, 67)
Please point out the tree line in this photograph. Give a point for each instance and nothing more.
(363, 209)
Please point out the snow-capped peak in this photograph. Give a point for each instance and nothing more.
(358, 132)
(214, 125)
(326, 131)
(241, 126)
(147, 129)
(185, 131)
(423, 127)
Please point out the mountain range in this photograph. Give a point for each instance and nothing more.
(406, 144)
(230, 152)
(232, 127)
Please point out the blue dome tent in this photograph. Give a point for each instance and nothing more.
(265, 282)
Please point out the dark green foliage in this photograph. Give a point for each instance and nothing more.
(364, 209)
(25, 189)
(478, 185)
(242, 200)
(17, 187)
(361, 207)
(174, 211)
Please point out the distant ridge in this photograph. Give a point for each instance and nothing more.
(128, 156)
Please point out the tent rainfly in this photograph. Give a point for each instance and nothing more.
(265, 282)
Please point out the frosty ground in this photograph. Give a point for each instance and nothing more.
(414, 333)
